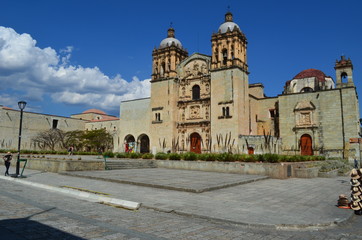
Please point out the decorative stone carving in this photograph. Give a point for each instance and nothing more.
(195, 68)
(304, 112)
(194, 112)
(305, 118)
(303, 105)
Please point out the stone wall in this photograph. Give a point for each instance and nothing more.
(33, 123)
(332, 119)
(134, 120)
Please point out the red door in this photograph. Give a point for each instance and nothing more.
(195, 143)
(250, 150)
(306, 145)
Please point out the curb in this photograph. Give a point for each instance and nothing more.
(91, 197)
(311, 227)
(181, 189)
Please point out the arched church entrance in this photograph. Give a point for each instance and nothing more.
(144, 143)
(195, 143)
(306, 146)
(129, 143)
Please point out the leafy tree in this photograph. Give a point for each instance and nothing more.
(73, 138)
(97, 140)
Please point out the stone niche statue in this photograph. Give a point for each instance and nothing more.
(195, 68)
(194, 112)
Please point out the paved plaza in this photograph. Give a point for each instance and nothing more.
(243, 199)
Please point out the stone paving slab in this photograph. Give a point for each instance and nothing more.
(290, 203)
(171, 179)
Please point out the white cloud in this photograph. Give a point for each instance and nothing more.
(37, 72)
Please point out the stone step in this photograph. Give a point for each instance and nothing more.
(116, 165)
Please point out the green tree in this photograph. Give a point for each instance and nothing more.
(97, 140)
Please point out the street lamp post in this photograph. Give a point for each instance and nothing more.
(21, 105)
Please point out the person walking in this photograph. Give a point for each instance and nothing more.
(7, 158)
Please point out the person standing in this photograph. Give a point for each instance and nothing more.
(7, 158)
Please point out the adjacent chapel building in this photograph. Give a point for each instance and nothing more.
(202, 103)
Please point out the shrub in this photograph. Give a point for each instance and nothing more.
(161, 156)
(207, 157)
(271, 158)
(190, 156)
(122, 155)
(108, 154)
(174, 156)
(135, 155)
(226, 157)
(147, 156)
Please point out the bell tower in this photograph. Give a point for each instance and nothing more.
(165, 58)
(230, 107)
(229, 46)
(344, 69)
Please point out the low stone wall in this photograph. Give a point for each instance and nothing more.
(273, 170)
(60, 165)
(55, 163)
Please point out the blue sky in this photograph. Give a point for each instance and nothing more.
(66, 56)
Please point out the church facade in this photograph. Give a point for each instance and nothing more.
(202, 103)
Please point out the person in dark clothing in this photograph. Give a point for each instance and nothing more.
(7, 158)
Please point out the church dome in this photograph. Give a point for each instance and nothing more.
(318, 74)
(170, 40)
(167, 42)
(228, 25)
(309, 80)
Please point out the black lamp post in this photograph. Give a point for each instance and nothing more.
(21, 105)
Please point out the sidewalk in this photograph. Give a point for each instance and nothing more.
(244, 199)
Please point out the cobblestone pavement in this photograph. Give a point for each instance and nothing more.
(31, 213)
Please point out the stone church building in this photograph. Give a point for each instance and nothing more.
(204, 103)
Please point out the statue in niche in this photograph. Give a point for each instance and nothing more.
(194, 112)
(204, 68)
(305, 118)
(196, 69)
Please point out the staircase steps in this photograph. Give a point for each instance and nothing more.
(129, 164)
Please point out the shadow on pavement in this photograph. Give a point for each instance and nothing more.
(25, 228)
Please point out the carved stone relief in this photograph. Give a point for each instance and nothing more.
(195, 68)
(194, 112)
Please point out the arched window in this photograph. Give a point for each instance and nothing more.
(195, 92)
(216, 54)
(163, 69)
(232, 52)
(344, 77)
(224, 56)
(306, 89)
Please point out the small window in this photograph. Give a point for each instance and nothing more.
(55, 123)
(195, 92)
(157, 117)
(227, 112)
(272, 113)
